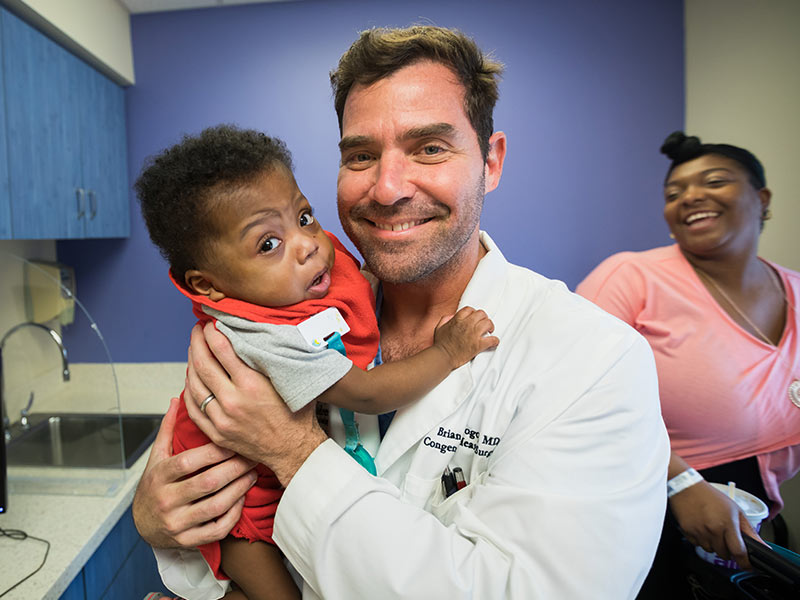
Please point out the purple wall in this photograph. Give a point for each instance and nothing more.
(590, 91)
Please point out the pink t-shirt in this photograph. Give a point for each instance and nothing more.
(724, 392)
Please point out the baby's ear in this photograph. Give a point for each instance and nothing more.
(198, 283)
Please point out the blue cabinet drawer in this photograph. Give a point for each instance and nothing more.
(122, 568)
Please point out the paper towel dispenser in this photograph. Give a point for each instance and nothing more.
(49, 292)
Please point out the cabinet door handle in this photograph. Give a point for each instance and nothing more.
(92, 204)
(79, 194)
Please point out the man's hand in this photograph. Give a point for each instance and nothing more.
(247, 415)
(171, 509)
(464, 335)
(708, 518)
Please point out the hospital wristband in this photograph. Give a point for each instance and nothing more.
(681, 481)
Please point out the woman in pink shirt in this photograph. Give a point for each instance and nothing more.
(725, 331)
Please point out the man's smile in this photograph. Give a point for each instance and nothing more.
(399, 226)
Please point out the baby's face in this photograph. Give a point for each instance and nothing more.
(272, 251)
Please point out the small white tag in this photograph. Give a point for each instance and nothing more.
(322, 325)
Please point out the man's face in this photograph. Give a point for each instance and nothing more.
(412, 178)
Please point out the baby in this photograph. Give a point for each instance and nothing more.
(243, 244)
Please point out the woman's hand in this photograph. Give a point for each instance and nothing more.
(708, 518)
(247, 415)
(173, 509)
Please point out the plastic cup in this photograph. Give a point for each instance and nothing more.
(754, 509)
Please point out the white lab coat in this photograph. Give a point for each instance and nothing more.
(559, 434)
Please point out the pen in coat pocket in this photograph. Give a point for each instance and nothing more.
(449, 485)
(459, 475)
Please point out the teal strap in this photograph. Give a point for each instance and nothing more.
(335, 343)
(352, 439)
(353, 442)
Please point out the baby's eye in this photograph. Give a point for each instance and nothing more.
(306, 219)
(270, 244)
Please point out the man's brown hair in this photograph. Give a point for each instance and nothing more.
(379, 52)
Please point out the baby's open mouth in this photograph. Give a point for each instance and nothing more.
(320, 282)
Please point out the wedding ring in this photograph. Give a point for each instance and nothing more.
(205, 402)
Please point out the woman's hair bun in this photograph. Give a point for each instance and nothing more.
(678, 146)
(681, 148)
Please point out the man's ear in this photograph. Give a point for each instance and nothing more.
(198, 283)
(765, 196)
(493, 168)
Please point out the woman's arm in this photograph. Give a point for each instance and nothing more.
(617, 286)
(456, 341)
(708, 518)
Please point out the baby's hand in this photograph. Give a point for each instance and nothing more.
(463, 335)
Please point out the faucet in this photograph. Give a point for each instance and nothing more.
(25, 413)
(64, 369)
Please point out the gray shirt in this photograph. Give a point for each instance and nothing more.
(298, 371)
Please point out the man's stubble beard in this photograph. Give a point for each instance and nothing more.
(438, 255)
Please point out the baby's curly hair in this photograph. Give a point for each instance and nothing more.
(179, 188)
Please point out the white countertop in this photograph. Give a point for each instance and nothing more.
(76, 524)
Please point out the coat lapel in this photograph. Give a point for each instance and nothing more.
(412, 423)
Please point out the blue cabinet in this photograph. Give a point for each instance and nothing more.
(65, 140)
(122, 567)
(5, 198)
(76, 589)
(104, 158)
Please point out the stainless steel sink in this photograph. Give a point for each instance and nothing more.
(81, 440)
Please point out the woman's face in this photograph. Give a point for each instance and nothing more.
(711, 206)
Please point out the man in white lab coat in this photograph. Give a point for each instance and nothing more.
(557, 432)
